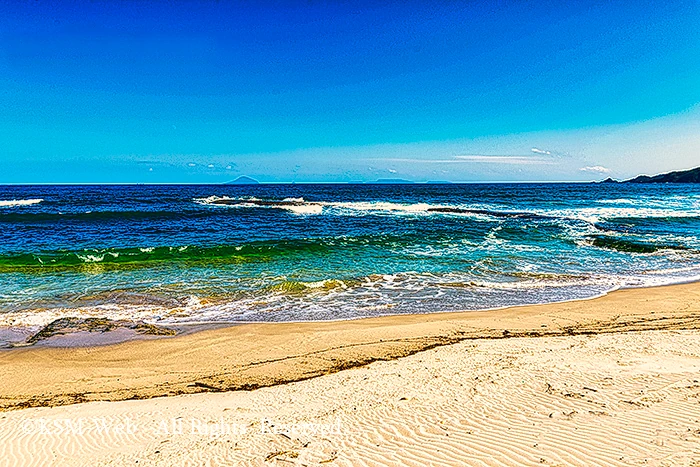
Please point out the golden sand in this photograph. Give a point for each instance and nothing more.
(258, 355)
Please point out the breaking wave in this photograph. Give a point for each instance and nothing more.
(300, 206)
(19, 202)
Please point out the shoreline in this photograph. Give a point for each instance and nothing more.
(101, 339)
(250, 356)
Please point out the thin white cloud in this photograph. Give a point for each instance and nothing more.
(392, 171)
(541, 151)
(599, 169)
(478, 158)
(519, 160)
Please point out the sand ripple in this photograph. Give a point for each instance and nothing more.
(605, 400)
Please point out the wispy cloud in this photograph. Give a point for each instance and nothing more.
(599, 169)
(478, 158)
(541, 151)
(505, 159)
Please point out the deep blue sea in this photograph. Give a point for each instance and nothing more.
(186, 254)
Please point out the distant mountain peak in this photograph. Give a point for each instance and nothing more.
(243, 180)
(392, 181)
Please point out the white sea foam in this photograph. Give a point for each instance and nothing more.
(382, 206)
(301, 208)
(668, 202)
(373, 295)
(594, 215)
(91, 258)
(614, 208)
(211, 199)
(304, 208)
(19, 202)
(338, 207)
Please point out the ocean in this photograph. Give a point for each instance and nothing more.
(228, 253)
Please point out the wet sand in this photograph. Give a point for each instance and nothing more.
(252, 356)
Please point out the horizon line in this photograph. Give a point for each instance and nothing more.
(502, 182)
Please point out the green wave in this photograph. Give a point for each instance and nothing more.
(125, 258)
(97, 260)
(291, 287)
(632, 246)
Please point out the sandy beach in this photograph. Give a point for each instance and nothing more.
(354, 233)
(608, 381)
(259, 355)
(622, 399)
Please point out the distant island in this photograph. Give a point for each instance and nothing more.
(243, 180)
(391, 181)
(680, 176)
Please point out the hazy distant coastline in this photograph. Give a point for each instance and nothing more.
(680, 176)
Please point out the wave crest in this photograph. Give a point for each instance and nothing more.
(19, 202)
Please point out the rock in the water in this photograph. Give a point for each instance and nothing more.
(70, 325)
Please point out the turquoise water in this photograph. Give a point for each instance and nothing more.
(185, 254)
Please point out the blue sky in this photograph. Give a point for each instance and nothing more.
(336, 91)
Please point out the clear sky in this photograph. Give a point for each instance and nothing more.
(338, 91)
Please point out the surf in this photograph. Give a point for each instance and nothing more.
(19, 202)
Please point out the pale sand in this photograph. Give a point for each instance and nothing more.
(613, 399)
